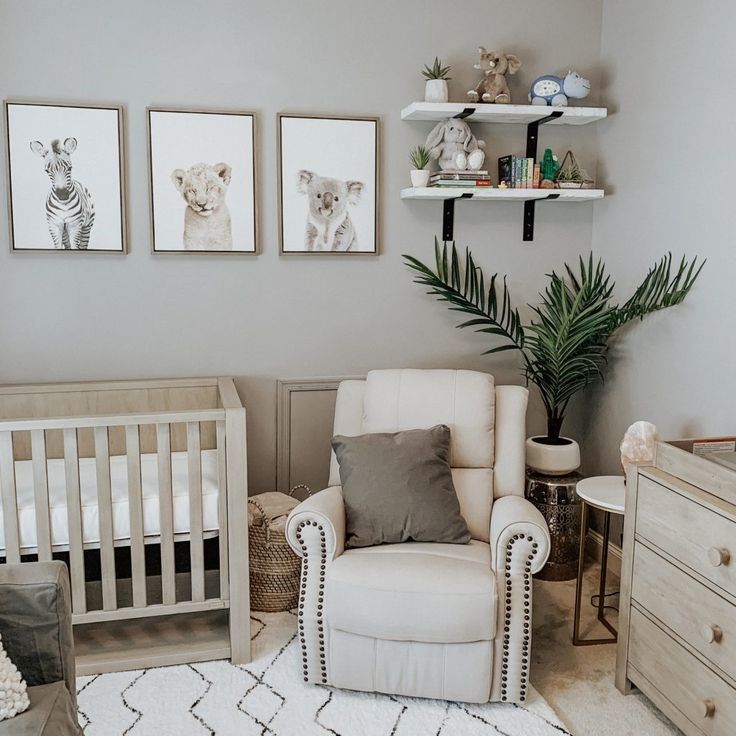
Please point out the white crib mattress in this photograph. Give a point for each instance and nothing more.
(119, 486)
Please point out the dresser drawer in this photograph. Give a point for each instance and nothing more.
(693, 534)
(696, 691)
(694, 612)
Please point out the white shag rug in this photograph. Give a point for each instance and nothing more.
(269, 698)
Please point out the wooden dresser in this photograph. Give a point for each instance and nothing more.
(677, 638)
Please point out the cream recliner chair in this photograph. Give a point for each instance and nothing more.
(431, 620)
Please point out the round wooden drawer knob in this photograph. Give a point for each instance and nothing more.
(718, 556)
(707, 708)
(711, 633)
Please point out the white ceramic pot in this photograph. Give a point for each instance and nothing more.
(552, 459)
(435, 90)
(419, 177)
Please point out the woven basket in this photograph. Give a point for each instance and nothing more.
(274, 568)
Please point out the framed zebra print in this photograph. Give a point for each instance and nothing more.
(66, 177)
(202, 172)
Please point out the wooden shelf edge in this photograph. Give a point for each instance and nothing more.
(511, 114)
(502, 195)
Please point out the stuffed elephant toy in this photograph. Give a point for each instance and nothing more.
(453, 144)
(495, 65)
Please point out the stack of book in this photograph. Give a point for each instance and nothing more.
(460, 178)
(518, 172)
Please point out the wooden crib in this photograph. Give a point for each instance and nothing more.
(141, 487)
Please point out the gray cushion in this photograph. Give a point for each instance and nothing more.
(398, 488)
(51, 713)
(35, 622)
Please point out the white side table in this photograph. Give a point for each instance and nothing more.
(607, 493)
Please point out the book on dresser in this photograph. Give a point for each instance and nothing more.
(677, 620)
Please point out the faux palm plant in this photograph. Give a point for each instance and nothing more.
(563, 348)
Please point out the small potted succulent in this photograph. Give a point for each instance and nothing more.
(419, 157)
(435, 89)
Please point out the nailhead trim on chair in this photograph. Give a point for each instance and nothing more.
(527, 619)
(507, 622)
(320, 600)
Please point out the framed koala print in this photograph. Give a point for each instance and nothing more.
(203, 181)
(328, 184)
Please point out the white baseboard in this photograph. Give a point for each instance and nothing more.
(594, 547)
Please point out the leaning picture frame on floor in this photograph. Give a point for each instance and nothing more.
(202, 181)
(65, 166)
(328, 184)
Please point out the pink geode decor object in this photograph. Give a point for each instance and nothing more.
(638, 443)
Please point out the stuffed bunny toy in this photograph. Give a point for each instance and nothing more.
(493, 87)
(454, 145)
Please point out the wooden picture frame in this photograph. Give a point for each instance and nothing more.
(303, 230)
(83, 208)
(233, 171)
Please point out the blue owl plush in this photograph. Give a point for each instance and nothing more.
(556, 91)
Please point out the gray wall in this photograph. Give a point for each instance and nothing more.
(667, 155)
(80, 317)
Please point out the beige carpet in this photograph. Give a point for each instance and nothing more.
(578, 681)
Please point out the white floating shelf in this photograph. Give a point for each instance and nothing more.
(513, 195)
(488, 113)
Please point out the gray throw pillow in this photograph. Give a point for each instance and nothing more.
(398, 488)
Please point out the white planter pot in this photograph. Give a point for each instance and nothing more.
(558, 459)
(435, 90)
(419, 177)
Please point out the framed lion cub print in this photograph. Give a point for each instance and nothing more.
(328, 184)
(203, 181)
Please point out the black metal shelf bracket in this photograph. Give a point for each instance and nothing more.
(532, 132)
(529, 216)
(448, 216)
(532, 140)
(467, 112)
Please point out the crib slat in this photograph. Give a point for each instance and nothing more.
(41, 494)
(135, 506)
(104, 503)
(74, 518)
(196, 533)
(10, 502)
(166, 513)
(222, 510)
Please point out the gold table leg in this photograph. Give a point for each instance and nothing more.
(576, 640)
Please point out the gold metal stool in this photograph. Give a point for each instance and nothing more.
(607, 493)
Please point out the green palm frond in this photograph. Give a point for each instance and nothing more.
(660, 289)
(564, 346)
(464, 287)
(567, 342)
